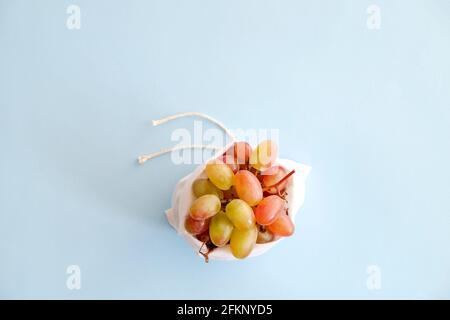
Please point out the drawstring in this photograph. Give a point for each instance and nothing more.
(143, 158)
(194, 114)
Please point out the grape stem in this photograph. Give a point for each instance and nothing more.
(282, 194)
(281, 181)
(205, 255)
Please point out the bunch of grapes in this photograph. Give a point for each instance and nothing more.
(243, 200)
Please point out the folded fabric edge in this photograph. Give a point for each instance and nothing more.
(170, 218)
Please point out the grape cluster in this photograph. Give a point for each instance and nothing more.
(243, 200)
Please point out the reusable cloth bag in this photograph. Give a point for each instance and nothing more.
(183, 198)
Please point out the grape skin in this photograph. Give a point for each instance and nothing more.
(220, 229)
(205, 207)
(196, 227)
(220, 174)
(240, 152)
(200, 187)
(243, 241)
(248, 187)
(240, 214)
(269, 209)
(282, 226)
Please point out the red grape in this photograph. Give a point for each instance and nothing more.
(196, 226)
(282, 226)
(269, 209)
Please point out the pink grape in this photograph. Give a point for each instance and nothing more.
(240, 152)
(271, 176)
(269, 209)
(248, 187)
(282, 226)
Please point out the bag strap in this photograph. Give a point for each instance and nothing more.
(143, 158)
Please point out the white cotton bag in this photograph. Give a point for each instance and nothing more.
(183, 197)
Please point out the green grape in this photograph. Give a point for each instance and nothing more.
(204, 186)
(264, 156)
(220, 229)
(220, 174)
(240, 214)
(205, 207)
(269, 209)
(243, 241)
(264, 236)
(248, 187)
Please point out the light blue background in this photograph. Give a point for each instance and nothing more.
(368, 110)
